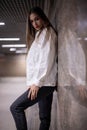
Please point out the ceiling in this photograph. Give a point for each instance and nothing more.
(14, 13)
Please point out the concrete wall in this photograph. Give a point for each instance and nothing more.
(12, 65)
(72, 107)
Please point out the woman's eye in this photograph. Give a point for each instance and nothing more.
(37, 19)
(31, 21)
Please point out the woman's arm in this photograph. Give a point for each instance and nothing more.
(47, 56)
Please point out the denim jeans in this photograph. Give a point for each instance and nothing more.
(44, 99)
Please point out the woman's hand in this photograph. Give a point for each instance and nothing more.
(33, 90)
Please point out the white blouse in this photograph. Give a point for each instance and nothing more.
(41, 66)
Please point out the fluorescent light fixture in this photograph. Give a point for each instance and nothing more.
(85, 38)
(2, 23)
(14, 45)
(9, 39)
(20, 51)
(12, 49)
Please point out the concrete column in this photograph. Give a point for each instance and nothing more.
(72, 109)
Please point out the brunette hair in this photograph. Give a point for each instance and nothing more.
(30, 31)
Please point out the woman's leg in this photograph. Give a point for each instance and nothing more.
(23, 102)
(17, 110)
(45, 112)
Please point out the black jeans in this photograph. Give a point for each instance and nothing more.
(44, 99)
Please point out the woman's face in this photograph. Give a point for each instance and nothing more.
(36, 21)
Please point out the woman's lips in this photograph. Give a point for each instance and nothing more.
(37, 27)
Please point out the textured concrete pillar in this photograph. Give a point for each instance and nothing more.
(71, 70)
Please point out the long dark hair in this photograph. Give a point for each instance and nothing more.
(30, 31)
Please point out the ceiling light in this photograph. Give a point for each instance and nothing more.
(14, 45)
(9, 39)
(12, 49)
(20, 51)
(2, 23)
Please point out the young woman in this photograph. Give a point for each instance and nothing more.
(41, 70)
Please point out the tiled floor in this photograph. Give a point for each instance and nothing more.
(10, 89)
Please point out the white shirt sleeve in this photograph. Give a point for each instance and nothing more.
(47, 56)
